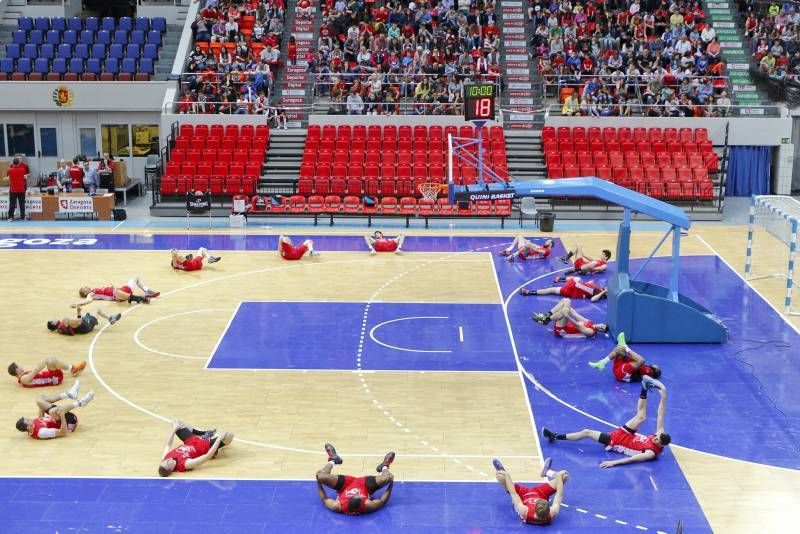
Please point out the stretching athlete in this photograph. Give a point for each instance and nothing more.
(119, 294)
(629, 366)
(354, 493)
(290, 252)
(55, 420)
(584, 264)
(568, 322)
(82, 324)
(527, 250)
(573, 288)
(624, 439)
(532, 503)
(192, 262)
(48, 372)
(197, 448)
(378, 243)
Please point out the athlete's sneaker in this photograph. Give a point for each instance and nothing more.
(214, 259)
(600, 365)
(398, 252)
(208, 434)
(527, 292)
(559, 279)
(114, 318)
(498, 465)
(621, 340)
(332, 456)
(563, 259)
(651, 383)
(72, 392)
(314, 253)
(151, 294)
(504, 252)
(387, 461)
(549, 434)
(548, 462)
(77, 368)
(145, 300)
(86, 399)
(601, 327)
(372, 252)
(541, 318)
(510, 258)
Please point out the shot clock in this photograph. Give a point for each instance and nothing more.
(479, 101)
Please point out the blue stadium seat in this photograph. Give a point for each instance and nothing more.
(111, 65)
(41, 65)
(121, 37)
(87, 37)
(7, 65)
(146, 65)
(76, 65)
(30, 51)
(75, 24)
(150, 51)
(91, 23)
(60, 65)
(93, 65)
(98, 51)
(59, 24)
(12, 51)
(81, 51)
(25, 24)
(109, 24)
(36, 37)
(159, 24)
(142, 24)
(25, 65)
(129, 65)
(125, 23)
(41, 23)
(65, 50)
(53, 37)
(154, 37)
(116, 51)
(19, 37)
(70, 37)
(47, 51)
(137, 37)
(133, 51)
(104, 37)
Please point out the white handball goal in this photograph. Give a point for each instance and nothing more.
(772, 242)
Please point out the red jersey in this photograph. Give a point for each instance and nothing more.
(195, 264)
(575, 288)
(44, 378)
(385, 245)
(538, 253)
(629, 444)
(624, 370)
(290, 252)
(353, 487)
(194, 447)
(16, 177)
(45, 427)
(571, 330)
(529, 496)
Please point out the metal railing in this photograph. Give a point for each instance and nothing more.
(323, 82)
(733, 110)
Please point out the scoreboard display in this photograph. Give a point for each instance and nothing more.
(479, 101)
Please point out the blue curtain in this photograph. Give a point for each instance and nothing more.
(748, 171)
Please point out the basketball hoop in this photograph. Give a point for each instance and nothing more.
(430, 191)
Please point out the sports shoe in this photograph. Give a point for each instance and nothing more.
(214, 259)
(651, 383)
(398, 252)
(621, 340)
(313, 253)
(549, 434)
(601, 327)
(72, 392)
(504, 252)
(563, 259)
(77, 368)
(387, 461)
(86, 399)
(600, 365)
(332, 456)
(114, 318)
(151, 294)
(546, 467)
(498, 465)
(541, 318)
(208, 434)
(510, 258)
(559, 279)
(372, 252)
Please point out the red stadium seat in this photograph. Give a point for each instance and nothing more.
(408, 206)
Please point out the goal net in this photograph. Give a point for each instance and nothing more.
(772, 244)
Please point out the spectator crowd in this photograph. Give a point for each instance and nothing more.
(773, 31)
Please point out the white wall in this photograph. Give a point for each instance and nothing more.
(94, 96)
(412, 120)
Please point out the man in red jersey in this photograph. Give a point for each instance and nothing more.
(197, 448)
(290, 252)
(48, 372)
(55, 421)
(573, 288)
(378, 243)
(583, 264)
(568, 323)
(354, 493)
(624, 439)
(119, 294)
(532, 503)
(17, 180)
(192, 262)
(629, 366)
(82, 324)
(527, 250)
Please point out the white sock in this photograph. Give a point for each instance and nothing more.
(63, 395)
(331, 462)
(550, 473)
(69, 368)
(202, 252)
(384, 468)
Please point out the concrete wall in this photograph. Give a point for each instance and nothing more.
(95, 96)
(398, 120)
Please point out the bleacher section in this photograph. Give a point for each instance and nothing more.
(87, 49)
(666, 163)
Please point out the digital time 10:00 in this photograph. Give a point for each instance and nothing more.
(480, 90)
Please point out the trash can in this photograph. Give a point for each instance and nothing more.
(151, 169)
(546, 221)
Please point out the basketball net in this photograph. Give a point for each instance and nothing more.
(429, 191)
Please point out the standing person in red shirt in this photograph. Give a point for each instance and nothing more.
(629, 366)
(55, 421)
(48, 372)
(76, 173)
(532, 503)
(624, 439)
(291, 52)
(354, 493)
(18, 184)
(290, 252)
(197, 448)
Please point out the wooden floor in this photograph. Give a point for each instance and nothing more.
(149, 368)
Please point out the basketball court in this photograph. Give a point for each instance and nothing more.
(431, 354)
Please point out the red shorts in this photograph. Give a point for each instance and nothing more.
(195, 264)
(201, 445)
(571, 329)
(385, 245)
(293, 253)
(580, 262)
(126, 289)
(530, 495)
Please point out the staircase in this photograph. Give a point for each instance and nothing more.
(168, 51)
(722, 15)
(283, 161)
(293, 85)
(11, 12)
